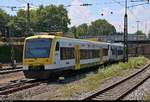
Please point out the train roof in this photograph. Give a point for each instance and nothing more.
(59, 37)
(41, 36)
(73, 39)
(117, 44)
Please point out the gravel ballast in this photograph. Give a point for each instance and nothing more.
(11, 76)
(139, 93)
(53, 90)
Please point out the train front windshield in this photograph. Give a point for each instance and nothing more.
(37, 48)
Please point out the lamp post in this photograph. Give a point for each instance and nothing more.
(28, 18)
(126, 27)
(125, 34)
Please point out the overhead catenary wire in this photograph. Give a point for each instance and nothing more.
(109, 2)
(127, 8)
(131, 12)
(13, 7)
(24, 1)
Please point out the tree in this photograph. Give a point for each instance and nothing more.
(139, 33)
(72, 31)
(52, 18)
(96, 28)
(17, 26)
(18, 23)
(149, 34)
(82, 30)
(4, 18)
(33, 19)
(101, 27)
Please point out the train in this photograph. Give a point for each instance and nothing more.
(45, 54)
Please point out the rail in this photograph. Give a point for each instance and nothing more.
(125, 85)
(18, 85)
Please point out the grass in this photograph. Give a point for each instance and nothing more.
(92, 81)
(1, 43)
(147, 96)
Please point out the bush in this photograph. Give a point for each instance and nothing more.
(5, 53)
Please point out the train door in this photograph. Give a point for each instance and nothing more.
(57, 53)
(77, 57)
(116, 53)
(110, 53)
(101, 55)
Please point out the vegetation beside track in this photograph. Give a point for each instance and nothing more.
(1, 43)
(5, 53)
(147, 96)
(92, 81)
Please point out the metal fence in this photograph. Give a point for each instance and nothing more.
(120, 37)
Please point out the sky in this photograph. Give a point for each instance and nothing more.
(112, 10)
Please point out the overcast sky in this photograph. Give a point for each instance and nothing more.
(112, 10)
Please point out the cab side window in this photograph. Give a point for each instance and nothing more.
(57, 46)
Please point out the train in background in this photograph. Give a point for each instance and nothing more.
(45, 54)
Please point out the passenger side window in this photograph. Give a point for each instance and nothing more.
(105, 52)
(88, 54)
(120, 52)
(66, 53)
(113, 51)
(57, 46)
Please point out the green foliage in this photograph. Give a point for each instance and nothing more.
(52, 18)
(98, 27)
(101, 27)
(17, 26)
(4, 18)
(82, 30)
(49, 18)
(5, 53)
(139, 33)
(147, 95)
(149, 34)
(93, 81)
(72, 31)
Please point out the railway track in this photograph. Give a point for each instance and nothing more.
(122, 88)
(18, 86)
(8, 69)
